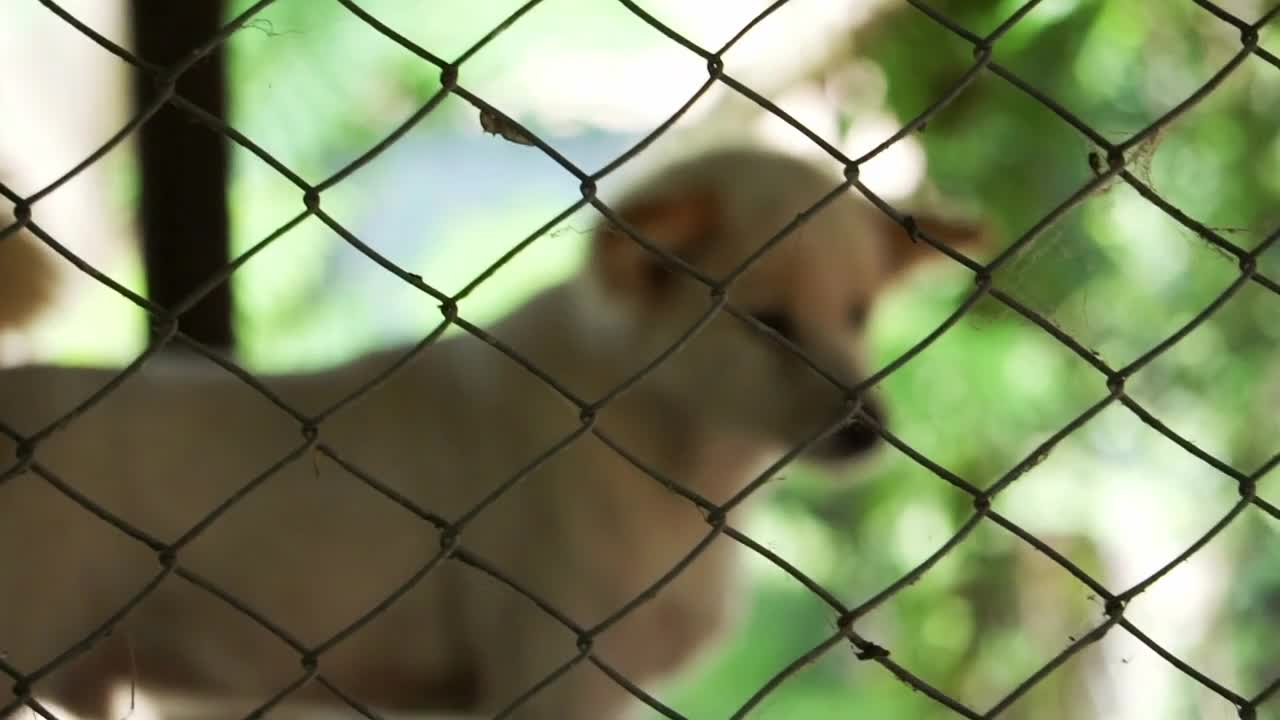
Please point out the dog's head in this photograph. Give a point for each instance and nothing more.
(813, 290)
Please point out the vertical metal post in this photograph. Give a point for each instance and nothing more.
(184, 166)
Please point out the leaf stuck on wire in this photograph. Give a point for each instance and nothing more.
(495, 124)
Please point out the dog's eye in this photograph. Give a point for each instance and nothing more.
(777, 322)
(858, 315)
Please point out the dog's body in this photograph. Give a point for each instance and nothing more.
(313, 548)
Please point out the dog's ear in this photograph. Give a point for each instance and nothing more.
(906, 253)
(678, 224)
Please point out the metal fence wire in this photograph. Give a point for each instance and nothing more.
(1110, 162)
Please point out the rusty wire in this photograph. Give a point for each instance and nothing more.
(1110, 161)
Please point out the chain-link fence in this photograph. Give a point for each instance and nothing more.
(1111, 162)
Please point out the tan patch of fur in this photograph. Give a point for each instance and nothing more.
(28, 275)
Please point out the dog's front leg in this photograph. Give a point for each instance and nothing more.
(582, 692)
(535, 648)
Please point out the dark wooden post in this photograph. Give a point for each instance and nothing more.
(184, 166)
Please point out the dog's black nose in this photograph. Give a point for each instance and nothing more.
(854, 439)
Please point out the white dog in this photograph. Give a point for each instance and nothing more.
(312, 547)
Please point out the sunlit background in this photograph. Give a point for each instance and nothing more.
(316, 88)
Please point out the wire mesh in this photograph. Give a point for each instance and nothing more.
(1110, 161)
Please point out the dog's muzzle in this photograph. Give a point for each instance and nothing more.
(855, 439)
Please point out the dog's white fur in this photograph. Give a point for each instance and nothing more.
(313, 548)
